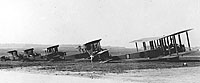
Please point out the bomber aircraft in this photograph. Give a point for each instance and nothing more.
(169, 47)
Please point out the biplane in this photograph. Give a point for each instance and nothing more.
(168, 47)
(14, 55)
(29, 54)
(52, 53)
(92, 50)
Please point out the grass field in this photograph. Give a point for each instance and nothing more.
(113, 67)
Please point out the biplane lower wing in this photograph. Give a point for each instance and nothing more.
(99, 56)
(173, 56)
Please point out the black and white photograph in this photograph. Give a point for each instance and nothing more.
(99, 41)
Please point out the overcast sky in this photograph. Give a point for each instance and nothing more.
(117, 22)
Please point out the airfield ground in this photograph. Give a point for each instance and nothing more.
(127, 70)
(119, 66)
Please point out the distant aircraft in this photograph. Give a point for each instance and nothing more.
(14, 54)
(53, 54)
(27, 55)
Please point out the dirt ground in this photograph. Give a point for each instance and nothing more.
(123, 70)
(113, 67)
(165, 75)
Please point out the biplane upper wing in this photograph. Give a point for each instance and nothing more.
(12, 51)
(178, 32)
(55, 46)
(145, 39)
(156, 38)
(94, 41)
(29, 49)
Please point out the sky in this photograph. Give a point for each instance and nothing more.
(116, 22)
